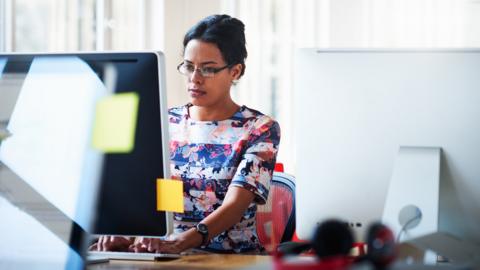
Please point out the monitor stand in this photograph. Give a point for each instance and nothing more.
(412, 202)
(458, 250)
(412, 211)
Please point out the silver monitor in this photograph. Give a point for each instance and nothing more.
(53, 182)
(355, 110)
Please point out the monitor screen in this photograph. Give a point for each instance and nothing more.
(49, 169)
(354, 109)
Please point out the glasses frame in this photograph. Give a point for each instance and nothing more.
(201, 70)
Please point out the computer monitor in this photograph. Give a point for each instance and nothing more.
(48, 165)
(355, 109)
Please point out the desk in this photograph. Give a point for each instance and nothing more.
(203, 261)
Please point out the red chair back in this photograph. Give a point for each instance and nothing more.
(276, 219)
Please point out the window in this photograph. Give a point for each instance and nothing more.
(73, 25)
(53, 25)
(275, 28)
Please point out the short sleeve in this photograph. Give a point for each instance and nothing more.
(255, 169)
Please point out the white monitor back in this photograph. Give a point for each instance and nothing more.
(355, 108)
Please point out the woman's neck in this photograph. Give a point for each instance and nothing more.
(217, 113)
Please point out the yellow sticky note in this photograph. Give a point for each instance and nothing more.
(115, 123)
(170, 195)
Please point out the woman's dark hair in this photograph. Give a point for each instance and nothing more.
(224, 31)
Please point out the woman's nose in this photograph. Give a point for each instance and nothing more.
(196, 76)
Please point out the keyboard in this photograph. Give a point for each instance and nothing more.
(118, 255)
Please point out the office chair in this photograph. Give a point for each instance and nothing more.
(276, 219)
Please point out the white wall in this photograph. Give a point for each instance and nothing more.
(180, 15)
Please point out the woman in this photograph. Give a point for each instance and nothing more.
(224, 153)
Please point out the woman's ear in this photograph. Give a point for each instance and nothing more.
(235, 71)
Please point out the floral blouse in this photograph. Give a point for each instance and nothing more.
(211, 156)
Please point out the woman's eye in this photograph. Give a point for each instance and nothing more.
(208, 70)
(190, 68)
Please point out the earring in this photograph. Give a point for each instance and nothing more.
(235, 82)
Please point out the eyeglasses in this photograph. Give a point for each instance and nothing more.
(206, 72)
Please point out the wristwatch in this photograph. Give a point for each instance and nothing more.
(202, 229)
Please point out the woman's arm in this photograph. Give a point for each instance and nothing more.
(235, 204)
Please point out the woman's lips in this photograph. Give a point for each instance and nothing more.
(196, 93)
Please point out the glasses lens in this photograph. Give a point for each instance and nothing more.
(207, 71)
(188, 69)
(185, 69)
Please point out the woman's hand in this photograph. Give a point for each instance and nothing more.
(180, 243)
(155, 245)
(112, 243)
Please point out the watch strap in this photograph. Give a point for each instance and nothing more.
(202, 229)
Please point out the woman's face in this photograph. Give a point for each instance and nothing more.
(208, 91)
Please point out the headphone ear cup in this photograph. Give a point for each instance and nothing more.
(381, 245)
(332, 238)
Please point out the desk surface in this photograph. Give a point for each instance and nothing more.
(203, 261)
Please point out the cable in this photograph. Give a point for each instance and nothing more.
(419, 215)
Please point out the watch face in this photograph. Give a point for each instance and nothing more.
(202, 228)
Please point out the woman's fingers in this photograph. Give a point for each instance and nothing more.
(93, 247)
(139, 245)
(172, 247)
(111, 243)
(105, 243)
(155, 245)
(138, 248)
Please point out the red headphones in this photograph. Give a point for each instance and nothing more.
(332, 242)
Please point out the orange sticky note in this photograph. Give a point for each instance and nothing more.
(170, 195)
